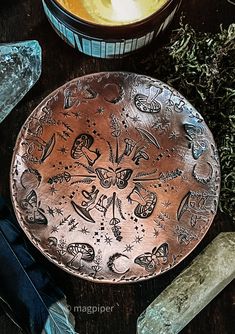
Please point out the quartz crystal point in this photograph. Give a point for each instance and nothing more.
(192, 290)
(20, 68)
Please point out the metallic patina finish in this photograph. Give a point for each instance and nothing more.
(115, 177)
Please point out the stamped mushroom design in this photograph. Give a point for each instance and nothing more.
(100, 183)
(148, 103)
(81, 252)
(81, 149)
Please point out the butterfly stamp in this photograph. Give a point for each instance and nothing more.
(34, 213)
(119, 174)
(118, 177)
(150, 260)
(198, 143)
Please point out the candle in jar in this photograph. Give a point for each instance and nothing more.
(112, 12)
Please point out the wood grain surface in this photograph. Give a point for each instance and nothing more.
(25, 19)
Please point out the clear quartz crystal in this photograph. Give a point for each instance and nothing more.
(20, 68)
(192, 290)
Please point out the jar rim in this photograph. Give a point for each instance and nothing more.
(104, 26)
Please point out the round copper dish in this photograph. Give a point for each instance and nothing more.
(115, 177)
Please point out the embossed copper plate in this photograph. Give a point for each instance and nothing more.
(115, 177)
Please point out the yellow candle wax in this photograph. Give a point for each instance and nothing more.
(112, 12)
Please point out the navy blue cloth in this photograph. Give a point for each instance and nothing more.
(26, 289)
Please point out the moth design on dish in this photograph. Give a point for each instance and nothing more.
(118, 177)
(115, 177)
(149, 261)
(197, 143)
(34, 213)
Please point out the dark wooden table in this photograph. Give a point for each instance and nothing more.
(22, 20)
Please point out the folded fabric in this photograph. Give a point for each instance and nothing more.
(27, 292)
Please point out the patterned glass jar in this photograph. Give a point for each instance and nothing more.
(106, 41)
